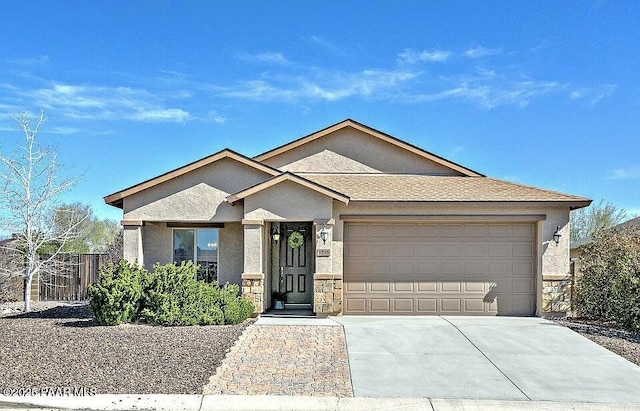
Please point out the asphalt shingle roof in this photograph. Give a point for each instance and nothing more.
(386, 187)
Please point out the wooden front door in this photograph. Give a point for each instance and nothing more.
(296, 273)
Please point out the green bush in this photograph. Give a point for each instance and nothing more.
(609, 288)
(171, 296)
(116, 298)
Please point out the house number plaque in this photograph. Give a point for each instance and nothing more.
(323, 252)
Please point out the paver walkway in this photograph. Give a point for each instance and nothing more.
(285, 360)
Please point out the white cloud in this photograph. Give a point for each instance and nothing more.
(88, 102)
(321, 85)
(268, 57)
(37, 61)
(625, 173)
(214, 116)
(412, 56)
(480, 51)
(326, 45)
(64, 130)
(160, 115)
(593, 94)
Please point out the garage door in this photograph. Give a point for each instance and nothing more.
(466, 269)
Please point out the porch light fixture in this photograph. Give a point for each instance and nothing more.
(324, 234)
(275, 234)
(557, 235)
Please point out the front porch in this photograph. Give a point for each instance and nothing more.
(300, 277)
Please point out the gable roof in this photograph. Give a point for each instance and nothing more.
(421, 188)
(116, 198)
(288, 176)
(372, 132)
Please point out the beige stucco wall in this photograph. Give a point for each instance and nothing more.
(199, 195)
(287, 201)
(231, 253)
(352, 150)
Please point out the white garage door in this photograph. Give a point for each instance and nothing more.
(416, 268)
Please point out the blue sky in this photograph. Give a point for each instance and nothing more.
(542, 93)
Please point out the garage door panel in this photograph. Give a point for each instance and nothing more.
(426, 250)
(452, 230)
(451, 250)
(403, 305)
(525, 231)
(379, 230)
(427, 305)
(402, 267)
(448, 268)
(432, 268)
(355, 287)
(474, 305)
(474, 287)
(428, 231)
(355, 250)
(403, 286)
(500, 267)
(357, 268)
(524, 268)
(378, 267)
(355, 305)
(475, 268)
(477, 230)
(501, 250)
(403, 250)
(377, 287)
(522, 250)
(427, 286)
(451, 305)
(450, 287)
(476, 250)
(404, 230)
(379, 305)
(426, 268)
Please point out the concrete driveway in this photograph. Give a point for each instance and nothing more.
(483, 358)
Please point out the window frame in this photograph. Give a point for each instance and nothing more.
(194, 258)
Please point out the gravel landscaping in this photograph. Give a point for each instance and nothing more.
(625, 343)
(60, 345)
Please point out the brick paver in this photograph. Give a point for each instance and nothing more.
(285, 360)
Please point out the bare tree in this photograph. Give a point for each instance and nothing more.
(31, 184)
(587, 222)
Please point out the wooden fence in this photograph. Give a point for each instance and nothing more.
(72, 279)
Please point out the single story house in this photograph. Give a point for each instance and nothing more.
(351, 220)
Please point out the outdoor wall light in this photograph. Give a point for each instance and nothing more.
(275, 234)
(324, 234)
(557, 235)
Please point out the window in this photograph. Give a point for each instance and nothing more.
(200, 246)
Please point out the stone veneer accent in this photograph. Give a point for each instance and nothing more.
(253, 290)
(327, 294)
(557, 294)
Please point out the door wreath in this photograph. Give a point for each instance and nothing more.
(295, 240)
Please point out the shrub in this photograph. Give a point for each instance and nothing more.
(237, 311)
(609, 288)
(174, 297)
(116, 298)
(170, 295)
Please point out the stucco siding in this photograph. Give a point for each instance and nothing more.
(198, 195)
(350, 150)
(157, 242)
(231, 254)
(287, 201)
